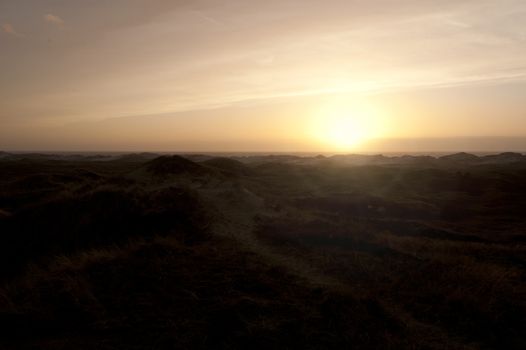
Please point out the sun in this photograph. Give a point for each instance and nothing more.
(346, 132)
(344, 126)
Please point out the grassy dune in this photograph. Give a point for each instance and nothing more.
(263, 252)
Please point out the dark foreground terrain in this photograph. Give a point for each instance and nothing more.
(144, 251)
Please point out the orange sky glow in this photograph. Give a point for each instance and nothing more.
(273, 76)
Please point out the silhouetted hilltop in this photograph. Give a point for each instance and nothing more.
(137, 157)
(84, 157)
(417, 160)
(351, 158)
(198, 158)
(240, 164)
(32, 156)
(506, 157)
(174, 165)
(364, 159)
(269, 158)
(229, 165)
(58, 157)
(460, 157)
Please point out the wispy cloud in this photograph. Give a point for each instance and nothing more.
(54, 19)
(9, 29)
(215, 56)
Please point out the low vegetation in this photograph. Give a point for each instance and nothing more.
(367, 252)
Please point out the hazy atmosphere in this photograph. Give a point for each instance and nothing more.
(290, 75)
(242, 174)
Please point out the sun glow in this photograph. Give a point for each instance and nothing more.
(346, 132)
(346, 126)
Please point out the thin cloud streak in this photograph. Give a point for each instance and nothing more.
(356, 92)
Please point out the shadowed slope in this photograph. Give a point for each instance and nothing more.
(228, 165)
(174, 165)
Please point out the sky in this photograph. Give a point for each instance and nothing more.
(276, 76)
